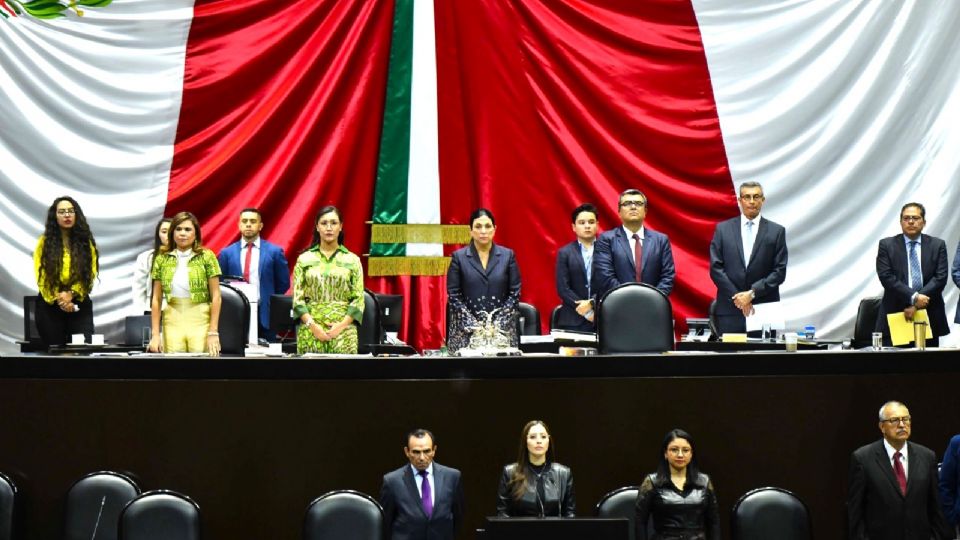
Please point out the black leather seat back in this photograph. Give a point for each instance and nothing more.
(94, 504)
(770, 512)
(234, 324)
(620, 503)
(369, 332)
(343, 515)
(635, 318)
(281, 319)
(866, 321)
(133, 326)
(8, 507)
(160, 515)
(554, 315)
(530, 324)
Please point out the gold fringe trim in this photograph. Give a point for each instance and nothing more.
(407, 266)
(419, 233)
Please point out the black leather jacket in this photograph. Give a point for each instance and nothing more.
(549, 494)
(691, 514)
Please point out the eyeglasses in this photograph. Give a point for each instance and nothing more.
(66, 212)
(678, 451)
(754, 197)
(633, 204)
(896, 420)
(911, 218)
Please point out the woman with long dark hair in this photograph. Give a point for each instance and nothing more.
(536, 485)
(187, 276)
(327, 290)
(678, 497)
(142, 287)
(483, 284)
(66, 262)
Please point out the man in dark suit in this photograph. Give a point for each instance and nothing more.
(913, 270)
(261, 264)
(632, 252)
(956, 279)
(422, 500)
(893, 485)
(574, 262)
(748, 261)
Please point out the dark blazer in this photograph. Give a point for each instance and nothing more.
(613, 261)
(765, 273)
(403, 513)
(956, 278)
(878, 511)
(274, 273)
(471, 289)
(894, 276)
(559, 499)
(950, 482)
(571, 279)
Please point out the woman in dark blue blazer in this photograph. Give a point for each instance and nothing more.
(483, 283)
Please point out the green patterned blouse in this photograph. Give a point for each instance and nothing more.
(328, 288)
(201, 267)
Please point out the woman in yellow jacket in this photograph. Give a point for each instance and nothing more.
(65, 263)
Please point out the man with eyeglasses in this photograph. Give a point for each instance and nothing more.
(892, 489)
(748, 261)
(632, 252)
(912, 268)
(422, 500)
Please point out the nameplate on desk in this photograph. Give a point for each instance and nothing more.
(734, 338)
(570, 335)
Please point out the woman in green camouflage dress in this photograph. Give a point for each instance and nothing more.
(327, 290)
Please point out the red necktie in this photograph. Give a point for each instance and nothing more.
(246, 262)
(638, 256)
(899, 473)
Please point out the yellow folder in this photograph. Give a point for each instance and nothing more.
(901, 330)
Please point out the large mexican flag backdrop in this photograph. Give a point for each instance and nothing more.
(418, 111)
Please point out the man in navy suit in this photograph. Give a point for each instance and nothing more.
(574, 262)
(618, 252)
(261, 264)
(748, 261)
(912, 268)
(892, 489)
(422, 500)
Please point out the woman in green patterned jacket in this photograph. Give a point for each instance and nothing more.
(327, 290)
(187, 275)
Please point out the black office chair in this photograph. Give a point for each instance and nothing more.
(369, 332)
(160, 515)
(94, 504)
(31, 336)
(621, 503)
(770, 512)
(554, 315)
(343, 515)
(529, 323)
(8, 507)
(634, 318)
(866, 321)
(712, 318)
(133, 326)
(234, 324)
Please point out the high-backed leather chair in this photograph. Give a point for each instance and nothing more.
(634, 318)
(770, 512)
(712, 318)
(94, 504)
(369, 332)
(160, 515)
(133, 326)
(8, 507)
(234, 323)
(31, 336)
(866, 321)
(343, 515)
(620, 503)
(531, 320)
(554, 315)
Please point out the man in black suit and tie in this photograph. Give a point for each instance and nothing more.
(632, 252)
(748, 261)
(422, 500)
(893, 485)
(574, 262)
(912, 268)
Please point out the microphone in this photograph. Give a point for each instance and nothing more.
(536, 489)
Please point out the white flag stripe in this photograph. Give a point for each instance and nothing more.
(844, 111)
(423, 182)
(88, 108)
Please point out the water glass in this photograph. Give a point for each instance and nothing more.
(790, 341)
(145, 335)
(767, 332)
(877, 340)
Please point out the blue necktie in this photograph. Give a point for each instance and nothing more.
(748, 247)
(916, 277)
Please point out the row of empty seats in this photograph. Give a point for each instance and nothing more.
(108, 505)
